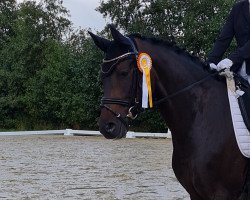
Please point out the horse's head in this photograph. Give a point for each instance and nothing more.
(120, 76)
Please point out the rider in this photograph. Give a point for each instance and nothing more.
(237, 25)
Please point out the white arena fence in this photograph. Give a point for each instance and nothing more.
(70, 132)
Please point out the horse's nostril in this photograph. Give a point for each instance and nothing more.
(110, 127)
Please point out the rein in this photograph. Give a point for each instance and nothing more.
(185, 89)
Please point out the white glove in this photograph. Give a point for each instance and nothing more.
(224, 64)
(213, 66)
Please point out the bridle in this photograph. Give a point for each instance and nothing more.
(133, 103)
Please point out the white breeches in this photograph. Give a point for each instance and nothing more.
(242, 72)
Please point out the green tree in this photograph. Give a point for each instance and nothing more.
(7, 18)
(66, 93)
(22, 54)
(194, 24)
(49, 77)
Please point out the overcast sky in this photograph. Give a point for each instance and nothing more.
(83, 13)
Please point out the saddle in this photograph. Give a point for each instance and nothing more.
(239, 99)
(244, 100)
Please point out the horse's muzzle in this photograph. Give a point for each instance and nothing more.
(112, 129)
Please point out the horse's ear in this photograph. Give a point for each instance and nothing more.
(118, 37)
(102, 43)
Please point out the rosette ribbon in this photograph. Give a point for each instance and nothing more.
(144, 63)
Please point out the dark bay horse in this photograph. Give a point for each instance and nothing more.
(194, 104)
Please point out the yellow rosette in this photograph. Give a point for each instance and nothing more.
(144, 63)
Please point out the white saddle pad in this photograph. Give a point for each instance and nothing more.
(241, 132)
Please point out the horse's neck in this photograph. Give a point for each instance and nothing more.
(172, 72)
(172, 75)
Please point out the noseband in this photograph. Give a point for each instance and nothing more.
(133, 104)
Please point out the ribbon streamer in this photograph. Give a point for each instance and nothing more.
(144, 64)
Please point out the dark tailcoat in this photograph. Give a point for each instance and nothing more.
(237, 25)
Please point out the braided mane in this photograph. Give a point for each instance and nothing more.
(171, 44)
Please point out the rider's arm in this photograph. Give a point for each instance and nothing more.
(224, 40)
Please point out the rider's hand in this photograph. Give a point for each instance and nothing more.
(224, 64)
(213, 66)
